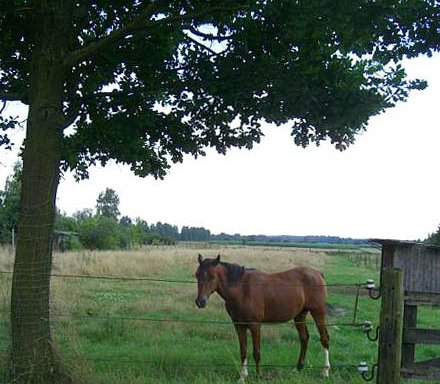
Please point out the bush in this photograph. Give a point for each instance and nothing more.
(99, 232)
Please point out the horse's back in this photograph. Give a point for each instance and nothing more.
(283, 295)
(311, 283)
(308, 277)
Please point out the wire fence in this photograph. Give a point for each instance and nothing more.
(356, 290)
(178, 281)
(72, 317)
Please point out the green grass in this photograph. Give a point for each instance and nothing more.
(113, 331)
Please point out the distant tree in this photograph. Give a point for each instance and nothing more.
(165, 230)
(65, 223)
(145, 82)
(125, 224)
(10, 204)
(83, 214)
(107, 204)
(137, 232)
(195, 234)
(99, 232)
(434, 238)
(125, 221)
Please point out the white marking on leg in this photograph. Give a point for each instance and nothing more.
(244, 372)
(326, 363)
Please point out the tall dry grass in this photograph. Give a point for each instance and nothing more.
(6, 258)
(168, 262)
(152, 260)
(158, 261)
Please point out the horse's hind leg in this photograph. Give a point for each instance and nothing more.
(242, 338)
(303, 334)
(319, 317)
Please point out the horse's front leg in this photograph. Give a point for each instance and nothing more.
(242, 339)
(256, 336)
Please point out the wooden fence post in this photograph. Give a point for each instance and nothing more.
(391, 319)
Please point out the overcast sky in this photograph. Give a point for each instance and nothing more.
(386, 185)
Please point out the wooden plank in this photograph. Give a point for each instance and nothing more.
(430, 298)
(424, 370)
(431, 374)
(421, 336)
(409, 322)
(432, 363)
(391, 324)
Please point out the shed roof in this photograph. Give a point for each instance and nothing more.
(403, 243)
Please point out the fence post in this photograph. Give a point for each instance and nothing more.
(391, 320)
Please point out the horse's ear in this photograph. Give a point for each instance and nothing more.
(200, 258)
(217, 260)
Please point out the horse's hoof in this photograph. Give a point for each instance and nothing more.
(300, 366)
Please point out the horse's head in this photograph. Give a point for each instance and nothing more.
(207, 279)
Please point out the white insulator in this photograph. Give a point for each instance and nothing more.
(366, 326)
(363, 367)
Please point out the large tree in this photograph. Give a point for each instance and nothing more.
(145, 82)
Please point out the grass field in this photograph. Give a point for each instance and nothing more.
(145, 328)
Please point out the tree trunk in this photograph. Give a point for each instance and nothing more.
(33, 359)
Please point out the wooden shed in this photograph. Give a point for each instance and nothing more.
(420, 264)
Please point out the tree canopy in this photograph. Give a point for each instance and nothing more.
(146, 82)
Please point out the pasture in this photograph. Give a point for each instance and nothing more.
(130, 317)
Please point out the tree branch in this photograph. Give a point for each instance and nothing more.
(138, 24)
(208, 36)
(95, 46)
(10, 96)
(203, 46)
(3, 107)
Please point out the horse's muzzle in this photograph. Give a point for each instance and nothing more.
(201, 302)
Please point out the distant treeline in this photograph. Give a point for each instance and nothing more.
(280, 239)
(104, 228)
(100, 232)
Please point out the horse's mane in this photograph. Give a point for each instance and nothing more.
(234, 272)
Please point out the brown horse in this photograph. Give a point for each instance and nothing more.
(253, 297)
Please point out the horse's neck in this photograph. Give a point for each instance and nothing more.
(227, 291)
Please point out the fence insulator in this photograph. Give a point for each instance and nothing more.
(373, 291)
(367, 327)
(363, 370)
(363, 367)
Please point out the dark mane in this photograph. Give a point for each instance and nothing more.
(234, 272)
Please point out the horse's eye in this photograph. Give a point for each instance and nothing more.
(204, 276)
(209, 276)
